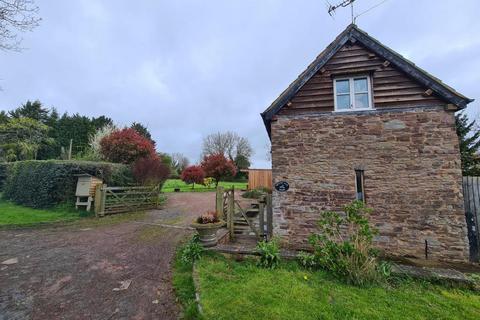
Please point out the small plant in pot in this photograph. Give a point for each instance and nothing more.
(207, 226)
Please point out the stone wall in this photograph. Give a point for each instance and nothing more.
(412, 176)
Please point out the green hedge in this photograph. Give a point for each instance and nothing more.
(3, 174)
(42, 184)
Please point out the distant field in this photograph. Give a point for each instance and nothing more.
(171, 184)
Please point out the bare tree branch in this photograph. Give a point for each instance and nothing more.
(230, 144)
(16, 16)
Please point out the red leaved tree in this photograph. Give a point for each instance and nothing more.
(150, 171)
(192, 175)
(126, 146)
(218, 167)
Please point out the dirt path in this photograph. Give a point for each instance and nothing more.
(71, 272)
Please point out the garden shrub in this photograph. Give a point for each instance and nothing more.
(344, 244)
(255, 193)
(192, 250)
(307, 260)
(218, 167)
(269, 253)
(43, 184)
(192, 175)
(126, 146)
(150, 171)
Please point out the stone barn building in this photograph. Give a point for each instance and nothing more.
(362, 122)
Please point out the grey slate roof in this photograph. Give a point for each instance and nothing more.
(353, 32)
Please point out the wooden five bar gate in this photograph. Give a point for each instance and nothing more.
(111, 200)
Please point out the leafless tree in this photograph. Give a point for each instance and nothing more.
(227, 143)
(179, 162)
(16, 16)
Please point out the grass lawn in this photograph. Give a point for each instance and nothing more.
(12, 215)
(15, 215)
(171, 184)
(240, 290)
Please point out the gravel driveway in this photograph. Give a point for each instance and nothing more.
(82, 271)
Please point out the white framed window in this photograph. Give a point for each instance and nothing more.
(352, 93)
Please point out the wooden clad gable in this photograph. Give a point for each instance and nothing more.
(395, 80)
(391, 87)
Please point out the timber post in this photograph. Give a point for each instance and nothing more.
(269, 216)
(104, 200)
(98, 199)
(219, 203)
(230, 214)
(261, 216)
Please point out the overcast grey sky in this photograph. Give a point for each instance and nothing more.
(189, 68)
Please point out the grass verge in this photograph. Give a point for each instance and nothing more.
(240, 290)
(184, 287)
(171, 184)
(12, 215)
(16, 216)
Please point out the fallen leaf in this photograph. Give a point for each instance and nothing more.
(10, 261)
(123, 285)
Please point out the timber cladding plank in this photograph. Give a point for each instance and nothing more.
(390, 86)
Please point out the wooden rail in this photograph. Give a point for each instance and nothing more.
(112, 200)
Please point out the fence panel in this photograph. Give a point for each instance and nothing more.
(111, 200)
(258, 178)
(471, 196)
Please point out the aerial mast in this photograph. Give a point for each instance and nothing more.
(343, 4)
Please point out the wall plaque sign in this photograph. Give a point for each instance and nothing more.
(282, 186)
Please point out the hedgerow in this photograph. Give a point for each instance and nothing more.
(42, 184)
(3, 174)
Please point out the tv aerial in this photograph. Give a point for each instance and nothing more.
(345, 3)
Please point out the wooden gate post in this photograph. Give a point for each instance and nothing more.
(219, 202)
(269, 216)
(230, 214)
(100, 197)
(261, 216)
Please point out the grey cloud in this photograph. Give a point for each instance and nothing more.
(189, 68)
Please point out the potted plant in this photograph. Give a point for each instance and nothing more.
(207, 226)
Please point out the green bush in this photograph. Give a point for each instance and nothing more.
(3, 174)
(43, 184)
(192, 250)
(255, 193)
(343, 245)
(269, 253)
(307, 260)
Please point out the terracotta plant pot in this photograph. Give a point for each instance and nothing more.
(208, 232)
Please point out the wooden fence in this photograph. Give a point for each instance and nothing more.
(471, 196)
(111, 200)
(259, 178)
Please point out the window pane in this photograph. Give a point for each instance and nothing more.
(361, 100)
(361, 85)
(343, 102)
(343, 86)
